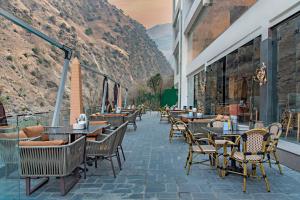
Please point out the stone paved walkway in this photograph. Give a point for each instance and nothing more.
(154, 170)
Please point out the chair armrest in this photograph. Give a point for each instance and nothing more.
(38, 138)
(210, 141)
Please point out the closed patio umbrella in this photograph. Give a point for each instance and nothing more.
(3, 120)
(116, 88)
(120, 97)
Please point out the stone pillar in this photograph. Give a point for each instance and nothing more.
(76, 104)
(268, 91)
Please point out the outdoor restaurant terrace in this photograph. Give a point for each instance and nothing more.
(95, 144)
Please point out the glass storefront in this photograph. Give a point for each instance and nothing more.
(230, 87)
(286, 37)
(288, 65)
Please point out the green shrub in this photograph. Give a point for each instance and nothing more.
(88, 31)
(10, 58)
(35, 50)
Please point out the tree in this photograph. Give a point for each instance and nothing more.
(155, 83)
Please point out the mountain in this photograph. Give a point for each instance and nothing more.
(162, 35)
(101, 35)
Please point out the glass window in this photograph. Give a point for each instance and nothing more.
(287, 40)
(230, 87)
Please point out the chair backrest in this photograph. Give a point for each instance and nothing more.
(119, 136)
(275, 130)
(217, 124)
(259, 124)
(255, 141)
(114, 121)
(41, 161)
(190, 137)
(123, 129)
(109, 142)
(132, 117)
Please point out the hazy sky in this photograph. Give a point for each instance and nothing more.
(147, 12)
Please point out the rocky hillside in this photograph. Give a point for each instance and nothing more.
(162, 35)
(101, 36)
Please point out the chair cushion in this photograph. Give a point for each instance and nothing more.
(35, 131)
(240, 156)
(42, 143)
(21, 135)
(206, 149)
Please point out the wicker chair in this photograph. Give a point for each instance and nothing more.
(164, 115)
(132, 119)
(106, 148)
(196, 147)
(221, 143)
(275, 131)
(139, 114)
(177, 126)
(254, 145)
(51, 161)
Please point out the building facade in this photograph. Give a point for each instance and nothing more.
(221, 46)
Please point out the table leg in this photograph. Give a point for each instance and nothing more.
(84, 160)
(288, 125)
(298, 131)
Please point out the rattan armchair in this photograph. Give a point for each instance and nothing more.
(203, 146)
(177, 126)
(107, 148)
(52, 161)
(164, 115)
(132, 119)
(140, 113)
(254, 146)
(275, 131)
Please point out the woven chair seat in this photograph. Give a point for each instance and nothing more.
(179, 127)
(205, 148)
(240, 157)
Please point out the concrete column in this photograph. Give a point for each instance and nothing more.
(76, 104)
(268, 91)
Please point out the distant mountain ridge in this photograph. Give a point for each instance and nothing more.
(101, 35)
(161, 34)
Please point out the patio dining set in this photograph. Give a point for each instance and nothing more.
(64, 152)
(238, 150)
